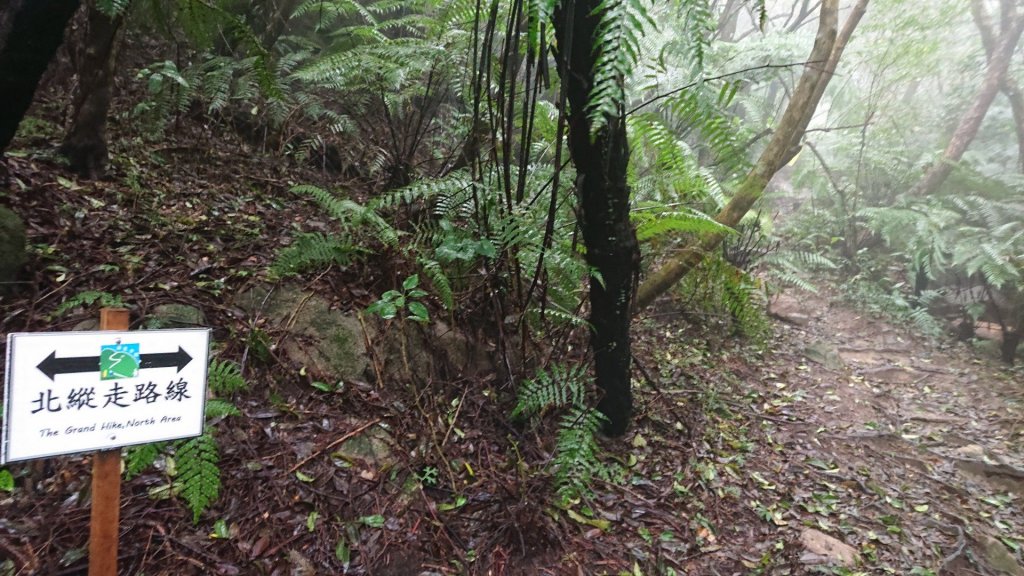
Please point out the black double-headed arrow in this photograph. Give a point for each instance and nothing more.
(52, 365)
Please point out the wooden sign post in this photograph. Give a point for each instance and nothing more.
(105, 515)
(78, 392)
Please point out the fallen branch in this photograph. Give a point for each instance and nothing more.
(344, 437)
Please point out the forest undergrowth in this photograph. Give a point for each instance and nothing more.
(906, 449)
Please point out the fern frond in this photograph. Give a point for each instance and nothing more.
(216, 408)
(225, 378)
(556, 388)
(617, 45)
(138, 458)
(313, 250)
(442, 287)
(653, 224)
(698, 29)
(113, 8)
(454, 185)
(576, 459)
(198, 473)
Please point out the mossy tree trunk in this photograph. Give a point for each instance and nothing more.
(828, 47)
(601, 159)
(36, 31)
(85, 144)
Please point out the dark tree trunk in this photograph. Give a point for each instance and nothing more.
(610, 240)
(37, 30)
(1011, 340)
(278, 21)
(7, 10)
(85, 144)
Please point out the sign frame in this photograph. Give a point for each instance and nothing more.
(27, 365)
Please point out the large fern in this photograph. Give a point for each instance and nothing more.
(617, 44)
(197, 471)
(577, 461)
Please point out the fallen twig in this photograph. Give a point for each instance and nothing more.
(344, 437)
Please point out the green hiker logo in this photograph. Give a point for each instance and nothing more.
(119, 361)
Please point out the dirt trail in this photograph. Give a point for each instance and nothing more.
(911, 452)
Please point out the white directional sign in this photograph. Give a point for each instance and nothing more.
(68, 392)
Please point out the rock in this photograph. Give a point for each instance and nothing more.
(300, 565)
(328, 343)
(998, 556)
(820, 548)
(824, 354)
(970, 452)
(372, 448)
(12, 247)
(87, 325)
(332, 346)
(464, 357)
(175, 316)
(788, 309)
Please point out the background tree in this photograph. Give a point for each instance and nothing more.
(36, 31)
(780, 149)
(1000, 56)
(1009, 87)
(85, 144)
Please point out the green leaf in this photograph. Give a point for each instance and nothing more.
(220, 530)
(321, 386)
(304, 477)
(418, 312)
(411, 282)
(459, 502)
(595, 522)
(374, 521)
(821, 464)
(311, 520)
(343, 553)
(486, 248)
(382, 308)
(6, 480)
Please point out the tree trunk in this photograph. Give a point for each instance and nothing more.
(610, 240)
(277, 22)
(1008, 87)
(85, 144)
(970, 122)
(780, 150)
(37, 30)
(1008, 348)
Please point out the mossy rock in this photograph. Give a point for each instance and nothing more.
(12, 247)
(328, 343)
(372, 448)
(175, 316)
